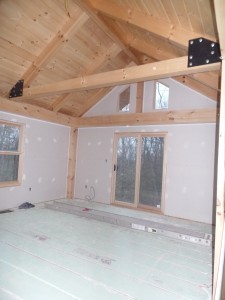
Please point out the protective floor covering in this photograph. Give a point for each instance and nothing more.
(109, 211)
(51, 255)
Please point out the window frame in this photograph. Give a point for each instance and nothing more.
(155, 91)
(119, 100)
(19, 152)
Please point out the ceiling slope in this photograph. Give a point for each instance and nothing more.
(49, 43)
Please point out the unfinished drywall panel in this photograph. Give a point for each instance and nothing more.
(189, 175)
(94, 164)
(180, 97)
(45, 163)
(109, 105)
(190, 172)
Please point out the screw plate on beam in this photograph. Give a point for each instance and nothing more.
(202, 52)
(17, 89)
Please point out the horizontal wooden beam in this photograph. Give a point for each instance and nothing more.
(157, 70)
(32, 111)
(151, 118)
(207, 83)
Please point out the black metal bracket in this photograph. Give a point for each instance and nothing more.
(17, 90)
(202, 52)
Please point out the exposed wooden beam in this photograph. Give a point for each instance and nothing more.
(209, 79)
(198, 87)
(110, 53)
(91, 101)
(159, 28)
(150, 49)
(72, 163)
(72, 25)
(139, 98)
(206, 83)
(151, 118)
(220, 13)
(35, 112)
(86, 5)
(158, 70)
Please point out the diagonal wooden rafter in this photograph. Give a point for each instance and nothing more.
(159, 28)
(194, 84)
(102, 60)
(86, 6)
(152, 71)
(72, 25)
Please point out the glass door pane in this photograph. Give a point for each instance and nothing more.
(125, 168)
(151, 171)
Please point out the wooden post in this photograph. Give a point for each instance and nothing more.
(139, 98)
(220, 11)
(220, 184)
(72, 163)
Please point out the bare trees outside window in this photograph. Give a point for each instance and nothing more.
(161, 96)
(139, 169)
(10, 153)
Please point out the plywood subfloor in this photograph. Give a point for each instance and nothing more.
(51, 255)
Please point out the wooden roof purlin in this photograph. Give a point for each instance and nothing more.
(71, 54)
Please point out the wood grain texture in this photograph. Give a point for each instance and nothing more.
(169, 68)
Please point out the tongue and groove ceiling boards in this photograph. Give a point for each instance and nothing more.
(66, 50)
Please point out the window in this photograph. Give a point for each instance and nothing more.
(161, 96)
(124, 100)
(10, 153)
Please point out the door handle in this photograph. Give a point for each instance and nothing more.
(115, 168)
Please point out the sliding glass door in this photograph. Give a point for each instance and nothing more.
(125, 169)
(139, 168)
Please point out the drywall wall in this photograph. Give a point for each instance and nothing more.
(190, 154)
(45, 163)
(189, 175)
(112, 99)
(180, 97)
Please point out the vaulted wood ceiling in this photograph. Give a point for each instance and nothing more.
(58, 46)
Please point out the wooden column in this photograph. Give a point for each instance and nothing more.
(139, 98)
(220, 184)
(72, 163)
(220, 12)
